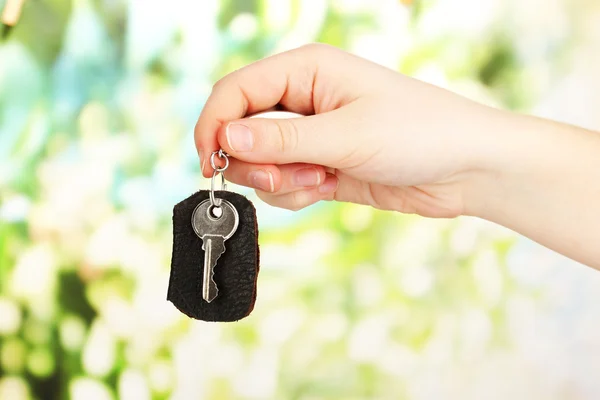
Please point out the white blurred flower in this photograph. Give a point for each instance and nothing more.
(278, 14)
(391, 40)
(475, 91)
(75, 194)
(119, 316)
(369, 338)
(302, 353)
(72, 332)
(537, 33)
(532, 265)
(154, 314)
(354, 6)
(302, 257)
(14, 208)
(201, 48)
(243, 26)
(476, 331)
(521, 313)
(488, 277)
(192, 355)
(280, 256)
(143, 44)
(367, 285)
(434, 74)
(258, 380)
(356, 218)
(416, 280)
(399, 360)
(14, 388)
(161, 376)
(329, 327)
(468, 18)
(139, 195)
(108, 243)
(575, 97)
(278, 326)
(133, 386)
(89, 389)
(230, 360)
(463, 238)
(142, 346)
(98, 356)
(10, 316)
(34, 274)
(314, 244)
(413, 244)
(441, 345)
(93, 124)
(309, 21)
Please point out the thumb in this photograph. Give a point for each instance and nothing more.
(316, 139)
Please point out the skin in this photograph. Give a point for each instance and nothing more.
(373, 136)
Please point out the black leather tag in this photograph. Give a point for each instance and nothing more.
(236, 271)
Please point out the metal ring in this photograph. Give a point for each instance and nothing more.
(221, 154)
(215, 202)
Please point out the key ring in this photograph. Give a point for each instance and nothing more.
(221, 154)
(215, 202)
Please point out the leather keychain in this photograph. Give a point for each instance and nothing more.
(215, 259)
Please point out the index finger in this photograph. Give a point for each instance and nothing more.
(286, 78)
(312, 79)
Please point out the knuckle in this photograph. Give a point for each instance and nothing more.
(264, 196)
(197, 132)
(295, 204)
(287, 133)
(218, 84)
(221, 83)
(316, 47)
(299, 200)
(286, 202)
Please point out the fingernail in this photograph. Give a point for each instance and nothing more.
(307, 177)
(239, 137)
(330, 185)
(262, 180)
(201, 160)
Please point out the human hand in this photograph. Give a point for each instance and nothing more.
(372, 136)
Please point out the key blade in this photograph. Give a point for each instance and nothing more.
(213, 247)
(209, 287)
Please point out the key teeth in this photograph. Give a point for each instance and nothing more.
(209, 300)
(212, 273)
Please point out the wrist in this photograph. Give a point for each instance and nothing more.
(524, 161)
(507, 157)
(542, 179)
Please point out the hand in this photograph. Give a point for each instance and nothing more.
(376, 137)
(373, 136)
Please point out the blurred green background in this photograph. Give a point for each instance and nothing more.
(98, 99)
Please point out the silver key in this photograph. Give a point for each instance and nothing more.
(214, 225)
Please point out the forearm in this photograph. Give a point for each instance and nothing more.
(542, 179)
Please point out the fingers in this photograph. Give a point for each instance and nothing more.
(281, 79)
(291, 186)
(278, 180)
(325, 139)
(299, 199)
(290, 79)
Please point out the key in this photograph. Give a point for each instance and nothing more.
(237, 269)
(214, 225)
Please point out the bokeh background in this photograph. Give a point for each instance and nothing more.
(98, 99)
